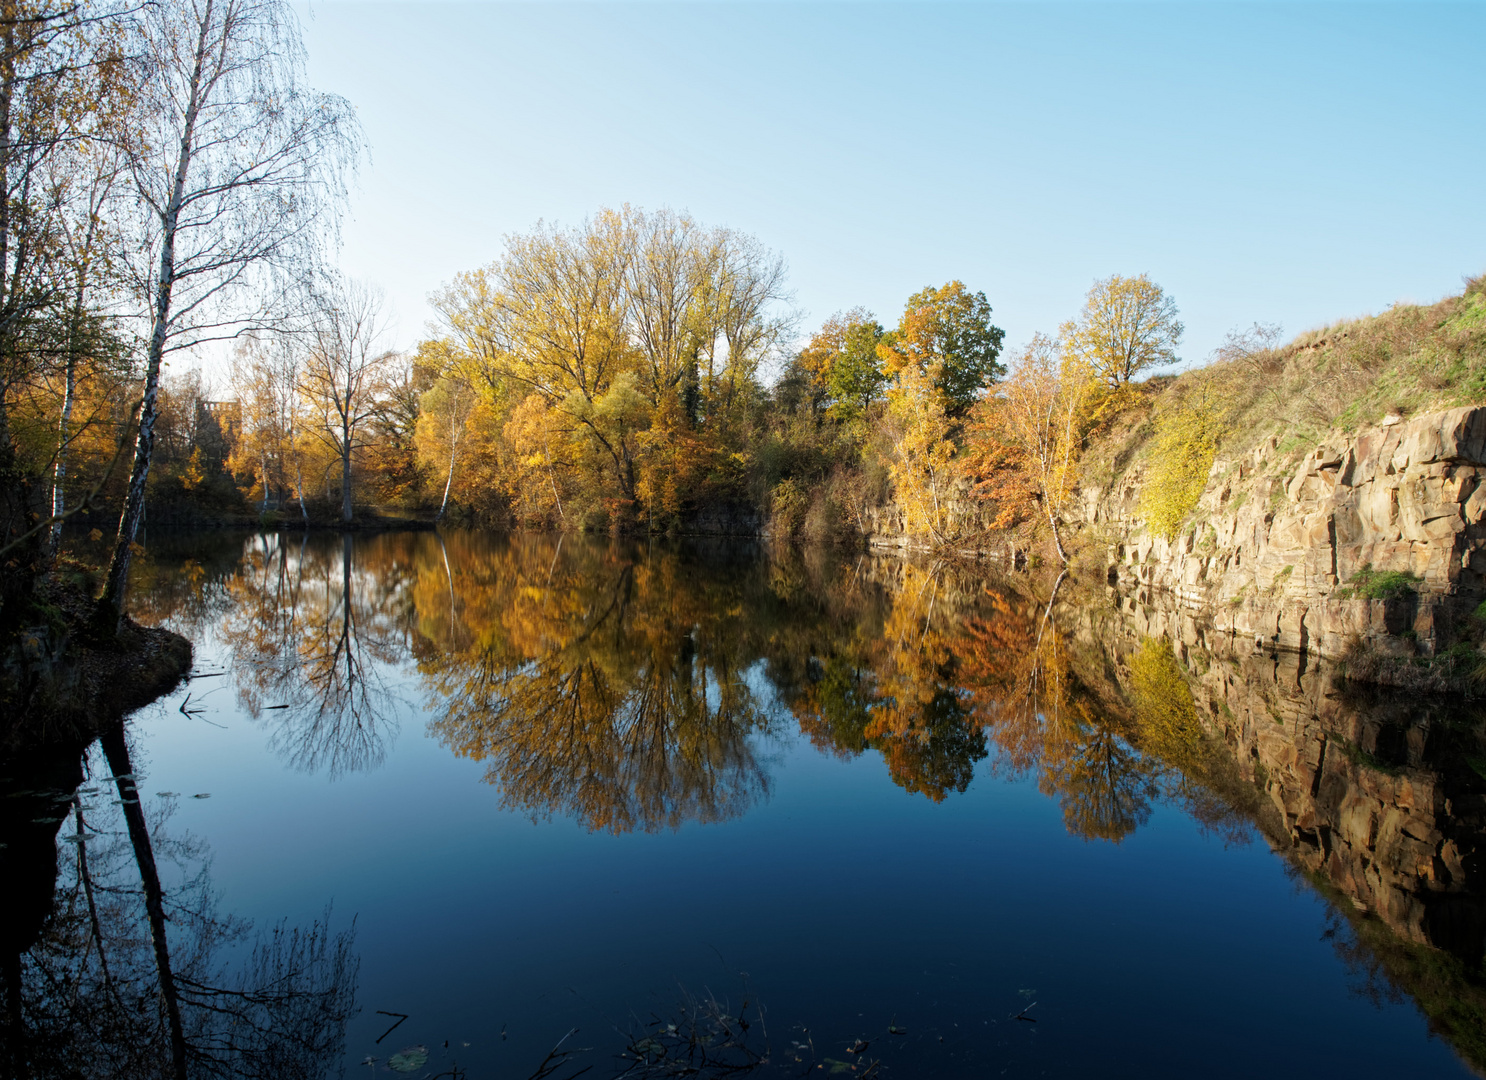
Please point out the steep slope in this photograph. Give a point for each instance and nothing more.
(1369, 530)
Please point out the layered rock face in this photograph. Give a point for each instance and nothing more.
(1273, 542)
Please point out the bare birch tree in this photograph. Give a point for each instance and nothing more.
(86, 182)
(57, 83)
(239, 169)
(343, 372)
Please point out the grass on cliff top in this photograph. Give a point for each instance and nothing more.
(1409, 360)
(1285, 398)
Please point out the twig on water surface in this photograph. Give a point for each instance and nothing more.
(557, 1057)
(197, 713)
(1023, 1014)
(401, 1017)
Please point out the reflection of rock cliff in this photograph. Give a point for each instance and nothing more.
(1376, 797)
(1277, 536)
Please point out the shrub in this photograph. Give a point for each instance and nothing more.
(1186, 442)
(1370, 584)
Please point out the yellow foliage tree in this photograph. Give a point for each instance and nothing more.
(1036, 423)
(1126, 326)
(536, 467)
(923, 468)
(1182, 453)
(612, 324)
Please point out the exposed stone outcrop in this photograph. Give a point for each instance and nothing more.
(1275, 538)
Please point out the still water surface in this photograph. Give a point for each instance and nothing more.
(903, 819)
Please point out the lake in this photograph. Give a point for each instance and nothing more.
(726, 810)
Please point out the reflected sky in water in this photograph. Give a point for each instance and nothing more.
(566, 783)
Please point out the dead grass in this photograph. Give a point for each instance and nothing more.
(1408, 360)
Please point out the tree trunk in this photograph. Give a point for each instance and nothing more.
(453, 449)
(69, 393)
(116, 750)
(1052, 519)
(111, 601)
(64, 432)
(448, 483)
(346, 482)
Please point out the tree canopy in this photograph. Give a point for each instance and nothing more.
(946, 333)
(1127, 325)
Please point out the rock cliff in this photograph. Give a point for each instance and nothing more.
(1278, 540)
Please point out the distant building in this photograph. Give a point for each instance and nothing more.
(229, 418)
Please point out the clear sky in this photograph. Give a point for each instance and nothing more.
(1286, 163)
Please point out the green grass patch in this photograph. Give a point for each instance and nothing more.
(1370, 584)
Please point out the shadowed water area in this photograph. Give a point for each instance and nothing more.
(430, 803)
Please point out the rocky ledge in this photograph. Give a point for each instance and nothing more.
(1373, 539)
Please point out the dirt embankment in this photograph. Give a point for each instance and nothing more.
(60, 684)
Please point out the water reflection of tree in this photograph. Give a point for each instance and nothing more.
(132, 971)
(312, 631)
(1043, 717)
(880, 671)
(592, 682)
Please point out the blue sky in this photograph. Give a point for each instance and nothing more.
(1286, 163)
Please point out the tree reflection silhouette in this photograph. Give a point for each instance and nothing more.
(936, 669)
(594, 683)
(312, 635)
(130, 972)
(619, 683)
(1043, 718)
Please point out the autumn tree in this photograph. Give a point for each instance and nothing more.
(61, 93)
(86, 180)
(1034, 425)
(752, 319)
(841, 359)
(946, 335)
(924, 473)
(344, 375)
(444, 410)
(551, 318)
(941, 359)
(394, 469)
(1127, 325)
(610, 325)
(238, 169)
(265, 378)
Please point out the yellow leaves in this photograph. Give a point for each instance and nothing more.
(1127, 325)
(538, 465)
(1182, 453)
(921, 468)
(194, 474)
(672, 459)
(1165, 715)
(606, 320)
